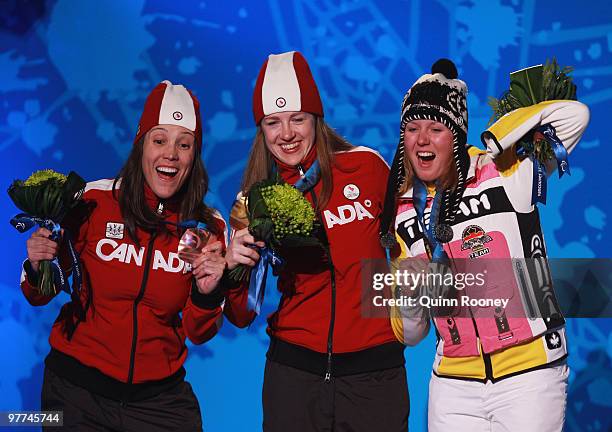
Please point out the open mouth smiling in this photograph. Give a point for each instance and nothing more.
(426, 156)
(166, 173)
(289, 147)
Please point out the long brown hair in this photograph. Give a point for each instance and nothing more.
(327, 142)
(132, 202)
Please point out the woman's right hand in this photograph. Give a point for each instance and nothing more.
(40, 247)
(241, 250)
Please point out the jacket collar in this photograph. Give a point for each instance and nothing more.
(291, 173)
(153, 201)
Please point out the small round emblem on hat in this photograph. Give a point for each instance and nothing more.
(177, 115)
(281, 102)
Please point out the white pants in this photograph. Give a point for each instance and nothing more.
(530, 402)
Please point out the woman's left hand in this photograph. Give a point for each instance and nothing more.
(208, 267)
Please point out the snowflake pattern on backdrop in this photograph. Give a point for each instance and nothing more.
(75, 75)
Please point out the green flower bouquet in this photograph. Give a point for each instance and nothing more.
(531, 86)
(277, 214)
(45, 198)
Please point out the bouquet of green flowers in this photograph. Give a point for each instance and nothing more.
(277, 214)
(531, 86)
(45, 198)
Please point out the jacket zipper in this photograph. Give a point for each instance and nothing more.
(332, 270)
(330, 335)
(143, 285)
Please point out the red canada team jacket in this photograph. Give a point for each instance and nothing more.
(321, 308)
(132, 331)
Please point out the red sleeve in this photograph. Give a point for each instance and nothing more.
(236, 305)
(29, 290)
(202, 316)
(236, 299)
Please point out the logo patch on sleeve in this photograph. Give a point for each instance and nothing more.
(553, 340)
(114, 230)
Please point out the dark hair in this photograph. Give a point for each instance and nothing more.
(327, 142)
(132, 202)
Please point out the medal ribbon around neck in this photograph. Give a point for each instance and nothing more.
(432, 243)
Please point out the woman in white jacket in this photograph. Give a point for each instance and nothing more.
(499, 367)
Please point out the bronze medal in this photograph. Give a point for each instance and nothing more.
(443, 233)
(191, 244)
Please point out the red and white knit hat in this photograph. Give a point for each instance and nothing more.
(285, 83)
(173, 105)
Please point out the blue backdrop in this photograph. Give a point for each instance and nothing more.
(74, 75)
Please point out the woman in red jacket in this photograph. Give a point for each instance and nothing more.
(116, 360)
(329, 366)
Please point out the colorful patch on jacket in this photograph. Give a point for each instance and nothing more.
(475, 238)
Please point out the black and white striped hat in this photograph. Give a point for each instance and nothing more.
(442, 97)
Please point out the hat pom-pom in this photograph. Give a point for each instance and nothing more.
(446, 68)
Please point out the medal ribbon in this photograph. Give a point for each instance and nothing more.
(24, 222)
(310, 178)
(538, 192)
(191, 223)
(257, 284)
(419, 196)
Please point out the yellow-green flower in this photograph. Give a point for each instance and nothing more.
(42, 176)
(289, 210)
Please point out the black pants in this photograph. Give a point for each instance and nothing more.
(298, 401)
(176, 409)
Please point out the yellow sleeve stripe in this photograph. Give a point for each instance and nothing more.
(396, 321)
(511, 127)
(403, 248)
(475, 151)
